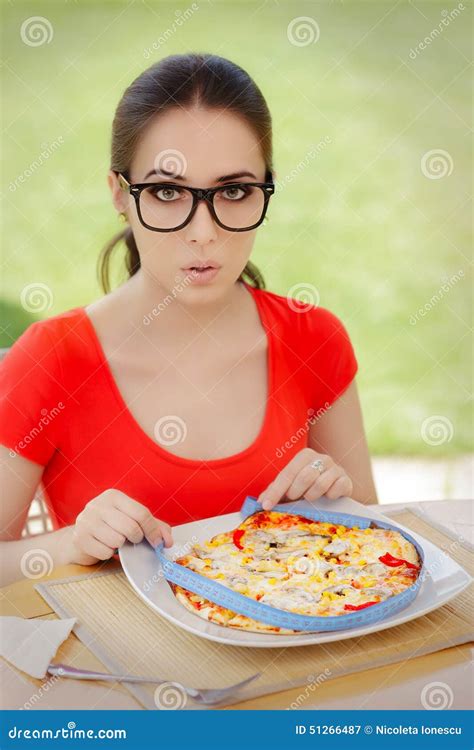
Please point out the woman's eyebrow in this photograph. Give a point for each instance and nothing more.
(235, 176)
(165, 173)
(224, 178)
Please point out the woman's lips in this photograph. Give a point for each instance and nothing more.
(201, 275)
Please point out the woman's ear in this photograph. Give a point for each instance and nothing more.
(119, 196)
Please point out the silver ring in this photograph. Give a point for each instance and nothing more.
(318, 464)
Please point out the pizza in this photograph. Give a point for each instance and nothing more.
(299, 565)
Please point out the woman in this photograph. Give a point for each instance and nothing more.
(188, 387)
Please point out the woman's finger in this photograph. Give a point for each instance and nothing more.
(276, 489)
(152, 527)
(107, 535)
(322, 484)
(93, 547)
(122, 523)
(309, 476)
(166, 533)
(342, 487)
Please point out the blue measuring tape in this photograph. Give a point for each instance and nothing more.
(244, 605)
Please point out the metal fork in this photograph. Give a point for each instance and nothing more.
(200, 695)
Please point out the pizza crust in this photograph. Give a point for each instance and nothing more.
(215, 614)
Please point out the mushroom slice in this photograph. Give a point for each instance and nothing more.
(337, 547)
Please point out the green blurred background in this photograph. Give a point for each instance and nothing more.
(373, 159)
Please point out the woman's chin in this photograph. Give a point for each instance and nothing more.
(201, 286)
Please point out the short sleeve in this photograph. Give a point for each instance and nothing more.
(330, 357)
(32, 398)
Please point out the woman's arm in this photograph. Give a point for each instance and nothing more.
(19, 480)
(102, 527)
(339, 433)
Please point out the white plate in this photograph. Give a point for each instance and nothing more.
(444, 581)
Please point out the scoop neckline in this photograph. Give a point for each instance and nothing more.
(156, 447)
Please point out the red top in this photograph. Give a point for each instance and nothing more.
(60, 407)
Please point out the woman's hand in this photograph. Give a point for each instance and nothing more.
(304, 477)
(107, 521)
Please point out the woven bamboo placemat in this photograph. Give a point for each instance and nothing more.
(129, 637)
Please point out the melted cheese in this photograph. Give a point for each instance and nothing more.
(305, 567)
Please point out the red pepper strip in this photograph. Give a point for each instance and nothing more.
(237, 536)
(394, 562)
(354, 607)
(332, 529)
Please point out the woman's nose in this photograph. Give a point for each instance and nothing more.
(202, 227)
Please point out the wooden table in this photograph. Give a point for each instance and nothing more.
(397, 686)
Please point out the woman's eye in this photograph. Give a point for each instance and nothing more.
(166, 194)
(234, 193)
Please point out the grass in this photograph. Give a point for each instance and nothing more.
(358, 219)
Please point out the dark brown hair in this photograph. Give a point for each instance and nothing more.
(183, 80)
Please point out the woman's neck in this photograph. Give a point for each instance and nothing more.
(150, 305)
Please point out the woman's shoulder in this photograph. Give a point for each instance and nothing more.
(67, 324)
(57, 325)
(48, 342)
(315, 339)
(39, 373)
(300, 312)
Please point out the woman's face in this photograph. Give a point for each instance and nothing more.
(199, 147)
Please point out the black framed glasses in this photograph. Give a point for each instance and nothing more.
(166, 207)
